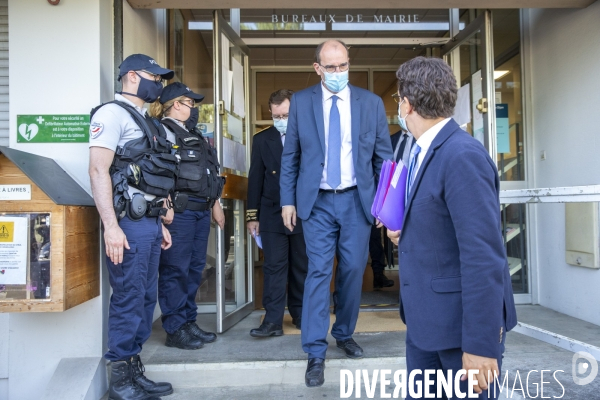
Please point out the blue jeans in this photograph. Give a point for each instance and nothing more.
(134, 288)
(181, 266)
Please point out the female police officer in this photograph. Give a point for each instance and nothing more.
(197, 191)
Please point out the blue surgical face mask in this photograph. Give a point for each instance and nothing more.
(280, 125)
(336, 81)
(402, 120)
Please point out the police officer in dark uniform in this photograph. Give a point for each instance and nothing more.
(286, 262)
(132, 171)
(197, 191)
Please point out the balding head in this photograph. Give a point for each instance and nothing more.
(330, 45)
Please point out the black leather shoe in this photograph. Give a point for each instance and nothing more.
(122, 386)
(206, 337)
(151, 387)
(183, 339)
(315, 372)
(381, 281)
(297, 322)
(267, 329)
(350, 347)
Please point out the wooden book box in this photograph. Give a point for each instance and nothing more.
(49, 236)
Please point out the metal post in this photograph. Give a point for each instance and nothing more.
(490, 87)
(454, 22)
(235, 20)
(218, 121)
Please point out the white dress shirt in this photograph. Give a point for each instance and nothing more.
(347, 164)
(282, 138)
(424, 142)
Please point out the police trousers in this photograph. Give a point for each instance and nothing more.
(181, 266)
(133, 284)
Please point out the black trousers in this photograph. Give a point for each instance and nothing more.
(285, 263)
(378, 250)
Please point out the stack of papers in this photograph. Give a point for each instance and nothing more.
(388, 205)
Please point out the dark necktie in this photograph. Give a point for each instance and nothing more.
(334, 146)
(402, 147)
(412, 168)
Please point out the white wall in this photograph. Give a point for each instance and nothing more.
(564, 58)
(61, 62)
(145, 31)
(3, 356)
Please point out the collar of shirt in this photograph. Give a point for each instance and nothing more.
(178, 122)
(124, 99)
(344, 94)
(424, 142)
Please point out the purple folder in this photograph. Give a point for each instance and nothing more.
(384, 179)
(391, 211)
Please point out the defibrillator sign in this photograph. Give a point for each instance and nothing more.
(53, 128)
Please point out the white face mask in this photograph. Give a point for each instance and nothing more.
(281, 125)
(402, 120)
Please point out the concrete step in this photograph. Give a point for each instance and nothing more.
(261, 373)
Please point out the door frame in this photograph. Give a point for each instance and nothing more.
(225, 319)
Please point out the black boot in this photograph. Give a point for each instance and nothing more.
(381, 281)
(206, 337)
(151, 387)
(183, 339)
(122, 386)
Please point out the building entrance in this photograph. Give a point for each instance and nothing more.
(237, 58)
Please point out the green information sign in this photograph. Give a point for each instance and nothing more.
(53, 128)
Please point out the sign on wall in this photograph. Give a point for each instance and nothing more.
(13, 250)
(502, 128)
(53, 128)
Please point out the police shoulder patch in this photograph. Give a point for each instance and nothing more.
(96, 129)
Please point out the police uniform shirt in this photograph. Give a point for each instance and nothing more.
(113, 126)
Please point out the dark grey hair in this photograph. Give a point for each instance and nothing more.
(320, 47)
(429, 85)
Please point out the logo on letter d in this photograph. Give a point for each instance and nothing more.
(582, 361)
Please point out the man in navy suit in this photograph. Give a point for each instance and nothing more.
(456, 295)
(336, 140)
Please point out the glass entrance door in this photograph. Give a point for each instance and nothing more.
(470, 54)
(234, 287)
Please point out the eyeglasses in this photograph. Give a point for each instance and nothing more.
(156, 78)
(397, 98)
(191, 104)
(280, 117)
(343, 67)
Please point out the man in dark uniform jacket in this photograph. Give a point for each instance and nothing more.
(285, 252)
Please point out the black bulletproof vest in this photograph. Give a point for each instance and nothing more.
(147, 163)
(198, 164)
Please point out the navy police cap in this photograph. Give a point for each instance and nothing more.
(176, 89)
(138, 62)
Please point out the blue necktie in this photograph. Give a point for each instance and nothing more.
(412, 167)
(334, 146)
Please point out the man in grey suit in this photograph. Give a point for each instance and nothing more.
(336, 140)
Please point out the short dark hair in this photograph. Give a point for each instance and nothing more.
(279, 96)
(320, 47)
(430, 86)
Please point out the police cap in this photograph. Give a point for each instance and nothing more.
(138, 62)
(176, 89)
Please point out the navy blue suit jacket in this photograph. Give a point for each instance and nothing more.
(303, 156)
(455, 284)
